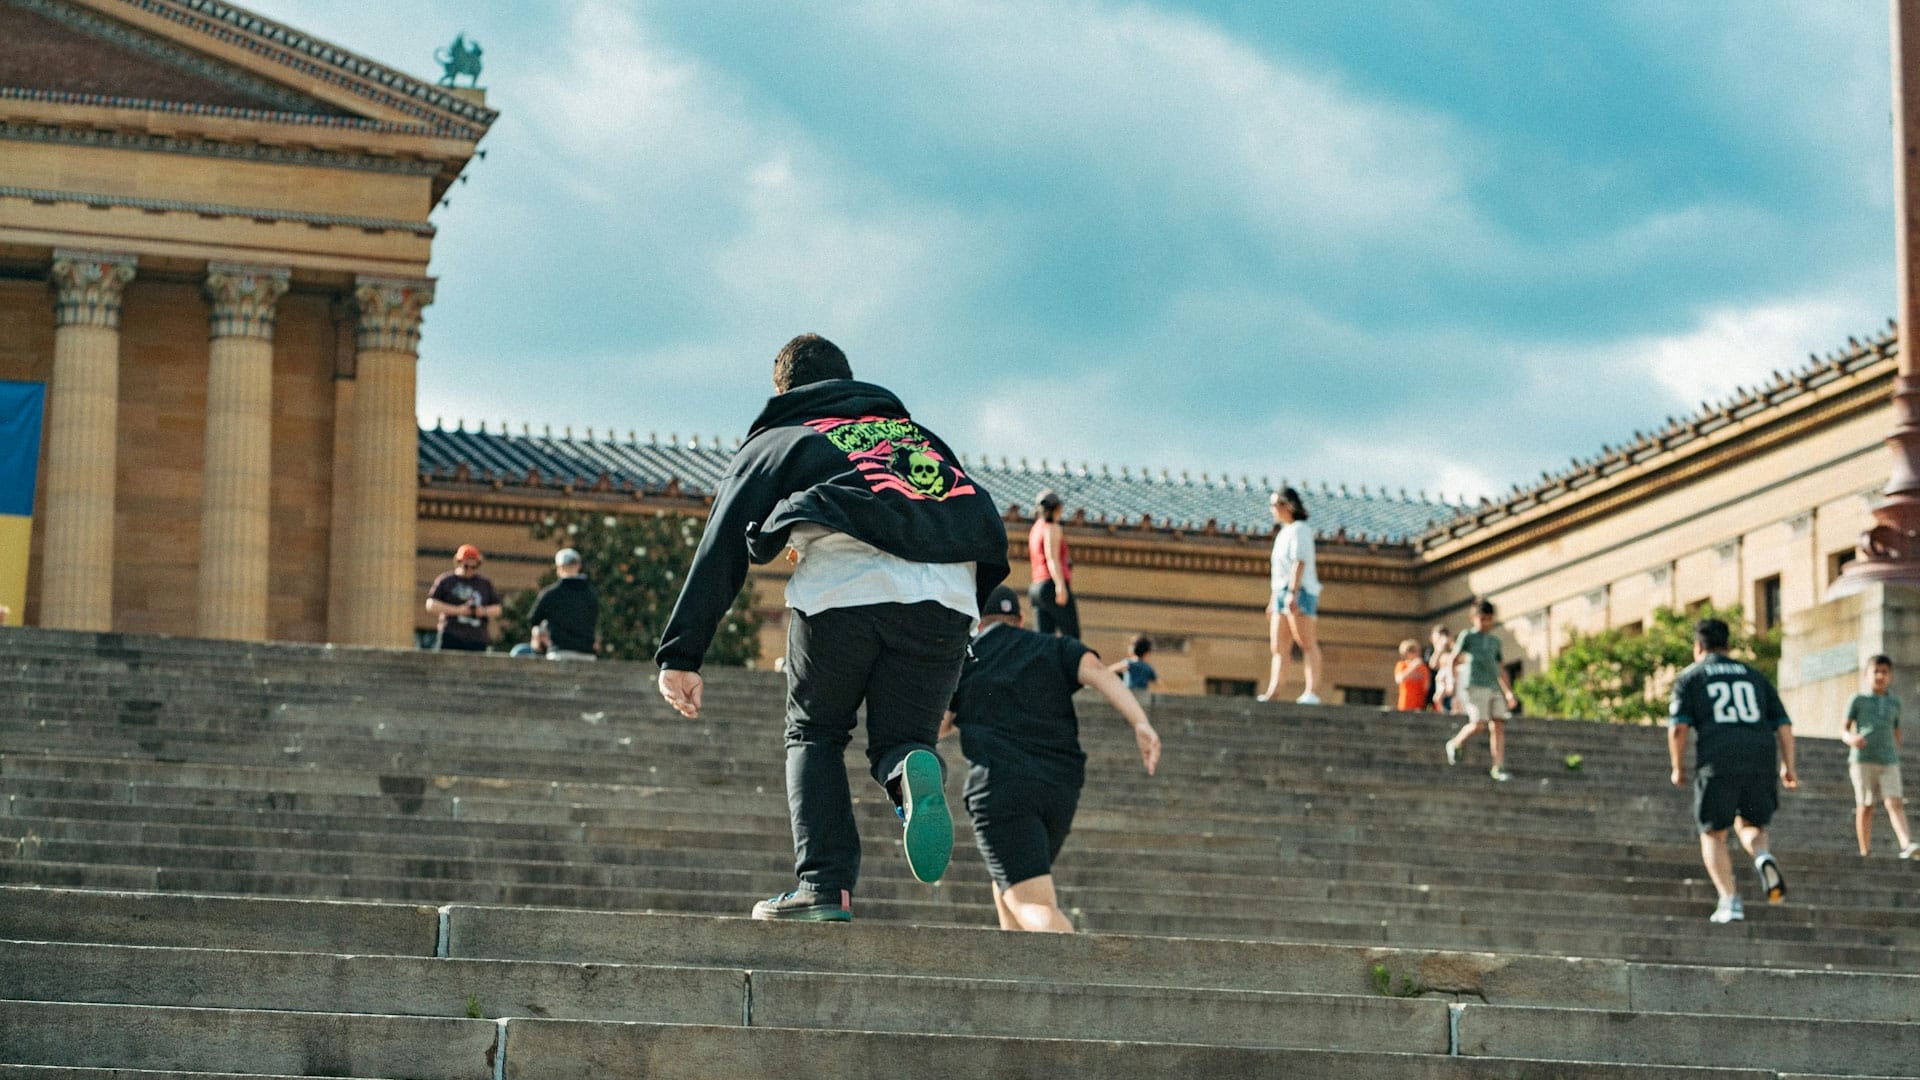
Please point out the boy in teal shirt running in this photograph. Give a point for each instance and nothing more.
(1873, 733)
(1484, 695)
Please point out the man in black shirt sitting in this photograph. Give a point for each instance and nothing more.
(570, 609)
(1014, 711)
(1740, 720)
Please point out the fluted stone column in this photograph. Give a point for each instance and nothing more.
(234, 509)
(377, 575)
(76, 576)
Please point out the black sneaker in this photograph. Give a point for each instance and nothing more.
(807, 905)
(1771, 877)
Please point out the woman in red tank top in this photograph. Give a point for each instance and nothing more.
(1051, 593)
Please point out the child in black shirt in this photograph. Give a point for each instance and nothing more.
(1014, 711)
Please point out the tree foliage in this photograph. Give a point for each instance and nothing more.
(1623, 675)
(637, 564)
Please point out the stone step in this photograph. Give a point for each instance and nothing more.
(1667, 810)
(635, 868)
(332, 1044)
(230, 1040)
(624, 851)
(875, 948)
(311, 983)
(742, 731)
(1676, 940)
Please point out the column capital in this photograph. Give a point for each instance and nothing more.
(244, 298)
(390, 312)
(88, 286)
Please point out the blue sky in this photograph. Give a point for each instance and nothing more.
(1440, 245)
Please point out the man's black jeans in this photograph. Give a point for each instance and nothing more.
(903, 660)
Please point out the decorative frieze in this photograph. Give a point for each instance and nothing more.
(88, 288)
(1727, 550)
(1800, 524)
(148, 142)
(244, 299)
(251, 213)
(390, 312)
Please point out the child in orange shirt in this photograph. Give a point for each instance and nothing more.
(1411, 674)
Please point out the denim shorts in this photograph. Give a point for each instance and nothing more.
(1309, 602)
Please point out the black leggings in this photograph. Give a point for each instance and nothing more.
(1052, 618)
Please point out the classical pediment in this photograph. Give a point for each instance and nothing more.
(210, 59)
(67, 52)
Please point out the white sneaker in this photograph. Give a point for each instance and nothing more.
(1307, 699)
(1910, 851)
(1729, 910)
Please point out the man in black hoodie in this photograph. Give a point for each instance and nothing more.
(895, 549)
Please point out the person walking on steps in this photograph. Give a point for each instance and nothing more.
(1739, 725)
(1295, 603)
(896, 548)
(1483, 692)
(1014, 712)
(1054, 610)
(1872, 735)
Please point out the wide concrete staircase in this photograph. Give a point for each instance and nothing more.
(219, 859)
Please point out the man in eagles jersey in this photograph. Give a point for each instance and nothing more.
(1739, 723)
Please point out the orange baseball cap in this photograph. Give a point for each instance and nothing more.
(467, 551)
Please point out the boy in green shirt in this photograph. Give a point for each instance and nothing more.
(1873, 733)
(1484, 693)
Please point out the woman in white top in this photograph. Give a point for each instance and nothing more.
(1295, 604)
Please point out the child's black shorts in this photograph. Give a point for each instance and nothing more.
(1019, 822)
(1717, 799)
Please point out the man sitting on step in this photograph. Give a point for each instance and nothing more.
(1014, 711)
(894, 548)
(1739, 720)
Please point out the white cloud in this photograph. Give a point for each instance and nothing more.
(1726, 347)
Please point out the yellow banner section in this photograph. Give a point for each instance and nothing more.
(16, 533)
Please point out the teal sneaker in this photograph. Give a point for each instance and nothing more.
(807, 905)
(929, 833)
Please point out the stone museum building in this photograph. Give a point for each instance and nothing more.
(214, 243)
(214, 237)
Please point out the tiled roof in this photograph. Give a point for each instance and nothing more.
(1103, 495)
(1676, 433)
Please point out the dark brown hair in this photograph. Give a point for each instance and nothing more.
(808, 358)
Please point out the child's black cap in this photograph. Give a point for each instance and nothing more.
(1002, 601)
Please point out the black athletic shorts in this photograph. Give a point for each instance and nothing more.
(1019, 822)
(1718, 799)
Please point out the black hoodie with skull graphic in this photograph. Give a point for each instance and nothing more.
(845, 455)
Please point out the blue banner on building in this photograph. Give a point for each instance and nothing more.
(21, 406)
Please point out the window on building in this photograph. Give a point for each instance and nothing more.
(1633, 629)
(1694, 607)
(1363, 695)
(1513, 671)
(1168, 643)
(1230, 687)
(1837, 562)
(1766, 603)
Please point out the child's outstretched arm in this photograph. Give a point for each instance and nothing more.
(1094, 674)
(1118, 667)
